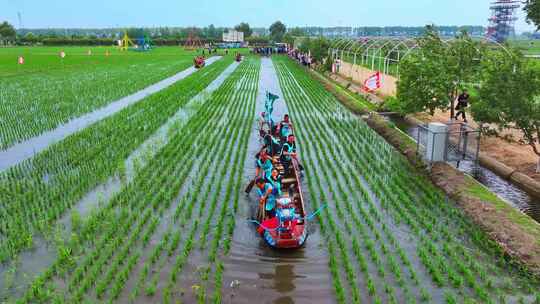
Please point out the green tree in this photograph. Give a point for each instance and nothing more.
(509, 96)
(291, 36)
(7, 31)
(211, 32)
(244, 28)
(318, 47)
(277, 31)
(257, 40)
(432, 77)
(532, 8)
(289, 39)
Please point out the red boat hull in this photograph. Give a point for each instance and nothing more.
(292, 233)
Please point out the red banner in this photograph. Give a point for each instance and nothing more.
(373, 82)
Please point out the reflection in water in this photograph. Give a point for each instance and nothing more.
(283, 277)
(284, 300)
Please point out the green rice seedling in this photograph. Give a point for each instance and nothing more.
(450, 298)
(424, 295)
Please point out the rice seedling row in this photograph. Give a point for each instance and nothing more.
(36, 192)
(351, 228)
(455, 254)
(33, 101)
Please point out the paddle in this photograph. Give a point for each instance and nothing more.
(250, 186)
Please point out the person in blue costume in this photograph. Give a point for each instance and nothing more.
(285, 128)
(288, 152)
(267, 199)
(275, 180)
(263, 168)
(271, 145)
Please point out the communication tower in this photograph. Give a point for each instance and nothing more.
(503, 17)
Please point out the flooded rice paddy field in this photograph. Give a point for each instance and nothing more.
(147, 206)
(47, 91)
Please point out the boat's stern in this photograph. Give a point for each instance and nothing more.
(286, 239)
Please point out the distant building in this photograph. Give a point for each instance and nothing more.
(233, 36)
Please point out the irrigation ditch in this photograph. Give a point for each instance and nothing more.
(255, 271)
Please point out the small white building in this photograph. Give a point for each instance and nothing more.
(233, 36)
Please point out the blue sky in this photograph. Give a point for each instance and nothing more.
(109, 13)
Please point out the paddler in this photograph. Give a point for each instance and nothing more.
(271, 145)
(264, 125)
(285, 128)
(263, 167)
(275, 180)
(267, 199)
(288, 152)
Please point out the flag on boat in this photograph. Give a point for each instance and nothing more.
(21, 60)
(373, 82)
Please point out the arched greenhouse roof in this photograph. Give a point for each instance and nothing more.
(384, 52)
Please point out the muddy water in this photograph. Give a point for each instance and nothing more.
(14, 277)
(503, 188)
(255, 273)
(24, 150)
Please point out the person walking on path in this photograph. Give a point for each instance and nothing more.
(462, 104)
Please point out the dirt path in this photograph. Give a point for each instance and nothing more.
(27, 149)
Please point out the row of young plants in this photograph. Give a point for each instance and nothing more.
(161, 197)
(35, 193)
(216, 189)
(453, 252)
(40, 100)
(366, 252)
